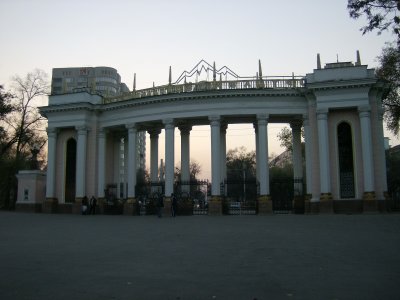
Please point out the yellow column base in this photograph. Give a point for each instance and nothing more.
(264, 205)
(131, 200)
(131, 207)
(370, 204)
(369, 196)
(215, 206)
(326, 203)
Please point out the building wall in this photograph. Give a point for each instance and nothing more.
(104, 80)
(351, 117)
(63, 136)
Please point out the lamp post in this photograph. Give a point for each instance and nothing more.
(34, 161)
(244, 181)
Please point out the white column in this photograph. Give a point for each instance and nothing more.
(308, 153)
(325, 175)
(132, 168)
(154, 133)
(223, 152)
(169, 156)
(297, 158)
(81, 162)
(381, 156)
(366, 142)
(185, 152)
(257, 152)
(262, 122)
(101, 162)
(51, 162)
(215, 155)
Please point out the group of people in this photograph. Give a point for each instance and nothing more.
(89, 207)
(160, 205)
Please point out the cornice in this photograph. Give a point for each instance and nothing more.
(68, 107)
(169, 99)
(200, 96)
(340, 84)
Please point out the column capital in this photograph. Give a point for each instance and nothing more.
(215, 120)
(154, 132)
(185, 129)
(102, 132)
(322, 114)
(262, 117)
(130, 125)
(364, 111)
(52, 131)
(168, 123)
(296, 124)
(82, 129)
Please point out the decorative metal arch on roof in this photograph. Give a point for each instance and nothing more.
(182, 85)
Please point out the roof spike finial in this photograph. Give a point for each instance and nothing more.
(170, 76)
(259, 69)
(318, 62)
(358, 62)
(134, 81)
(214, 72)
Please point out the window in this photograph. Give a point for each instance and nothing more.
(346, 166)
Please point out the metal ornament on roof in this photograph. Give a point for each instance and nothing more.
(203, 67)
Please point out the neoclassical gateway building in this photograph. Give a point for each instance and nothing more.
(93, 137)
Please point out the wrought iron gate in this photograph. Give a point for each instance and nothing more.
(240, 197)
(192, 197)
(283, 192)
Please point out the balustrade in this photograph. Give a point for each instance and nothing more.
(241, 84)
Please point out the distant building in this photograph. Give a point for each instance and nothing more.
(103, 80)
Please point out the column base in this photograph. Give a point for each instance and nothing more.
(370, 204)
(326, 203)
(50, 205)
(131, 207)
(215, 206)
(264, 205)
(167, 207)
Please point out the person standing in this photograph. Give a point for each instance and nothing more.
(174, 205)
(93, 202)
(84, 205)
(160, 205)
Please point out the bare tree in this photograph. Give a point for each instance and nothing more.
(22, 132)
(25, 124)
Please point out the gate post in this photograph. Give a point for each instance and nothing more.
(264, 205)
(131, 207)
(215, 206)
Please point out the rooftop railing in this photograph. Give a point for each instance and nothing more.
(284, 82)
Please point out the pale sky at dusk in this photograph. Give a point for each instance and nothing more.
(146, 37)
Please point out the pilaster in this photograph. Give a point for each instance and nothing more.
(169, 156)
(81, 163)
(51, 164)
(215, 122)
(132, 141)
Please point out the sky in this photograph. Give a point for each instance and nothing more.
(146, 37)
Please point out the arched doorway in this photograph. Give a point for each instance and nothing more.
(70, 171)
(346, 165)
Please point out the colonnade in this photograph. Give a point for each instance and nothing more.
(315, 157)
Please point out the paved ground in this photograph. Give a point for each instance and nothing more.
(45, 256)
